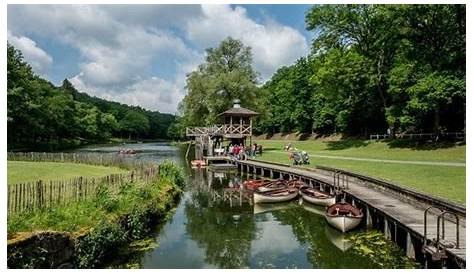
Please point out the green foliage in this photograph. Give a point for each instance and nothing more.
(227, 74)
(382, 252)
(101, 244)
(374, 67)
(139, 223)
(173, 172)
(135, 123)
(104, 199)
(41, 115)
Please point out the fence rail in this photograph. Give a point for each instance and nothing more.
(81, 158)
(457, 135)
(30, 196)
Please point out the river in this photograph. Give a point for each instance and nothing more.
(216, 226)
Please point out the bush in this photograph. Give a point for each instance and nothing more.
(139, 223)
(104, 199)
(101, 244)
(171, 171)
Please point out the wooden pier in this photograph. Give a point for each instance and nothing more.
(413, 220)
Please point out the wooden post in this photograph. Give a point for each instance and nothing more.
(410, 249)
(388, 234)
(16, 197)
(39, 194)
(368, 218)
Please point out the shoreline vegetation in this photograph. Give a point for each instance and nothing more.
(91, 232)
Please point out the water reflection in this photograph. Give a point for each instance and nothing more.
(217, 226)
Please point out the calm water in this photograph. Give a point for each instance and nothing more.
(217, 226)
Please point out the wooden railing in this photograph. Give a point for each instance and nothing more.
(226, 129)
(456, 135)
(238, 129)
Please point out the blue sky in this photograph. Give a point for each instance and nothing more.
(139, 54)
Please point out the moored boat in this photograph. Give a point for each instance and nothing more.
(317, 197)
(198, 163)
(255, 184)
(280, 195)
(296, 183)
(273, 185)
(343, 216)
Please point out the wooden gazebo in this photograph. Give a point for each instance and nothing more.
(236, 128)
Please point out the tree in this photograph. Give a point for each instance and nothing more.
(135, 123)
(227, 74)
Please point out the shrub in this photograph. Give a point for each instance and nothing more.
(171, 171)
(101, 244)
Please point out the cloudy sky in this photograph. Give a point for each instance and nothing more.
(140, 54)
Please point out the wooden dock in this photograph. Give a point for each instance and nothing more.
(400, 211)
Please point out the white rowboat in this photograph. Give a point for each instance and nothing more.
(317, 197)
(275, 196)
(343, 216)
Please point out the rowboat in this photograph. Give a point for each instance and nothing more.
(343, 216)
(273, 185)
(295, 183)
(317, 197)
(255, 184)
(198, 163)
(280, 195)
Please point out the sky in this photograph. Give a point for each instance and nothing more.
(140, 54)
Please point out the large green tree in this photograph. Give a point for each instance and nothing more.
(225, 75)
(373, 67)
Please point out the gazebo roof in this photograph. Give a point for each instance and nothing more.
(237, 110)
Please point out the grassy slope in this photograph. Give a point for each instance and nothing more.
(19, 171)
(443, 181)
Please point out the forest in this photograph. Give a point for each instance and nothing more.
(42, 116)
(371, 68)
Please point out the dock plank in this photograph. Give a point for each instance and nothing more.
(409, 215)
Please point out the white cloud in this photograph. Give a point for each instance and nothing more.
(152, 93)
(273, 45)
(280, 237)
(39, 60)
(139, 55)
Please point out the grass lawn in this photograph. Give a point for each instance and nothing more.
(444, 181)
(19, 171)
(372, 149)
(107, 205)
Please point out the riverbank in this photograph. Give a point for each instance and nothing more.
(92, 230)
(438, 171)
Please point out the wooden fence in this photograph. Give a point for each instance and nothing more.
(83, 158)
(30, 196)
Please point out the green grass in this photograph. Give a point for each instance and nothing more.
(107, 205)
(372, 149)
(19, 171)
(443, 181)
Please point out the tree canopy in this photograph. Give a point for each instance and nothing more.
(225, 75)
(374, 67)
(42, 116)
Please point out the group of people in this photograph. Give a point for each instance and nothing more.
(239, 151)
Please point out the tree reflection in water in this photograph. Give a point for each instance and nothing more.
(224, 232)
(310, 228)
